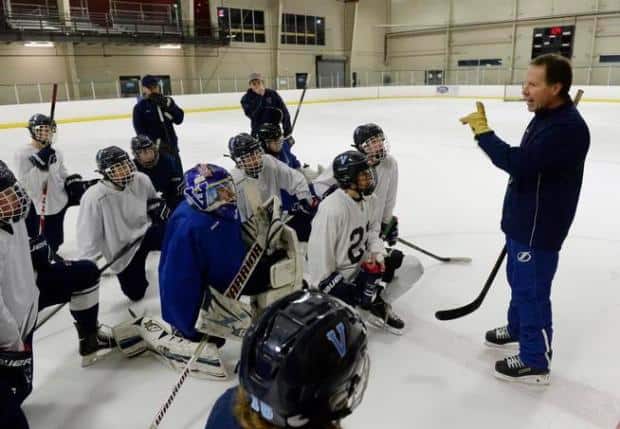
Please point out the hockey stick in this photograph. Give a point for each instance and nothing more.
(475, 304)
(44, 195)
(450, 259)
(301, 100)
(116, 257)
(233, 291)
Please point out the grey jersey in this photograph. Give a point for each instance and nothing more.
(275, 177)
(19, 294)
(110, 218)
(344, 234)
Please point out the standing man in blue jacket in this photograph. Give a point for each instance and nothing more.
(262, 105)
(154, 116)
(546, 172)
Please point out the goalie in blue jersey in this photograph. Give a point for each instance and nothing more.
(207, 263)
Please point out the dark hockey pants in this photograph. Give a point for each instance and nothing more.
(53, 230)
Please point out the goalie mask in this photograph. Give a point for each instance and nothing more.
(42, 129)
(352, 171)
(247, 153)
(210, 188)
(116, 167)
(145, 150)
(305, 361)
(270, 136)
(14, 201)
(370, 140)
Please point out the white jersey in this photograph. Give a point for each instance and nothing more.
(274, 177)
(33, 180)
(385, 191)
(110, 218)
(19, 295)
(343, 235)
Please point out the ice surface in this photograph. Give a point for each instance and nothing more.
(438, 374)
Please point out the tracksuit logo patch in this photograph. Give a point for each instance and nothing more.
(524, 257)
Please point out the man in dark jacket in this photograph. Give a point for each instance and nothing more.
(263, 105)
(154, 116)
(546, 173)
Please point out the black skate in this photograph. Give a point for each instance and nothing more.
(513, 369)
(382, 316)
(500, 338)
(94, 345)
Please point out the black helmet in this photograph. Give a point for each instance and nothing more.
(14, 201)
(361, 141)
(348, 165)
(269, 132)
(305, 360)
(36, 122)
(243, 148)
(115, 165)
(142, 142)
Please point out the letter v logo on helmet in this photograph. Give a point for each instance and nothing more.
(339, 340)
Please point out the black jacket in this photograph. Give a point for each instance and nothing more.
(261, 109)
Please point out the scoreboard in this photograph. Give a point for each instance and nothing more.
(553, 40)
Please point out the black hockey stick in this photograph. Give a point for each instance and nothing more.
(473, 306)
(301, 100)
(116, 257)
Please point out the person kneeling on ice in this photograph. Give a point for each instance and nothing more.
(259, 177)
(282, 382)
(122, 218)
(345, 254)
(205, 267)
(24, 292)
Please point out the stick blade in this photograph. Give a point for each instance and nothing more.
(457, 313)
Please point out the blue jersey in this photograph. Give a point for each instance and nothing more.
(222, 416)
(166, 178)
(200, 249)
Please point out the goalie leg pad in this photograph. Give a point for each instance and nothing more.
(176, 351)
(128, 337)
(223, 317)
(406, 276)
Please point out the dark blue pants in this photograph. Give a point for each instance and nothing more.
(133, 277)
(53, 230)
(11, 414)
(530, 274)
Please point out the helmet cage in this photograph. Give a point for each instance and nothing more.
(251, 162)
(121, 173)
(14, 203)
(375, 148)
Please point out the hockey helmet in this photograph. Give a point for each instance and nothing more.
(14, 201)
(115, 165)
(349, 167)
(145, 151)
(370, 140)
(270, 136)
(247, 153)
(209, 187)
(42, 128)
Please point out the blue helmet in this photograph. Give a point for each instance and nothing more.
(209, 187)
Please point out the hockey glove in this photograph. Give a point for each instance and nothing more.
(160, 100)
(16, 371)
(44, 158)
(75, 187)
(389, 231)
(307, 207)
(290, 140)
(158, 210)
(477, 120)
(40, 253)
(393, 261)
(369, 283)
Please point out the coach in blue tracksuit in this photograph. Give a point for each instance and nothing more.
(154, 116)
(546, 173)
(263, 105)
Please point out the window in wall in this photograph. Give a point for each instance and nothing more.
(609, 59)
(243, 25)
(481, 62)
(303, 29)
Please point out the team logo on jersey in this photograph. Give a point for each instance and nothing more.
(524, 257)
(339, 340)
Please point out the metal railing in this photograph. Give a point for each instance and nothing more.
(94, 90)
